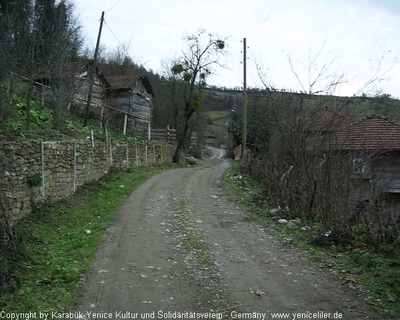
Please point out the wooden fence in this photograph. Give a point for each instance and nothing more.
(167, 134)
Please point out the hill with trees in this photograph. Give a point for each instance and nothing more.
(40, 37)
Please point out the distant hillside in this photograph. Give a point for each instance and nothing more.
(357, 107)
(218, 105)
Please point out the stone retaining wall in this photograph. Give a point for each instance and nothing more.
(36, 171)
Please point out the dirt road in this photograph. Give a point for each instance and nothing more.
(181, 244)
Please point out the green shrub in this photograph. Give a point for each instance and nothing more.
(39, 114)
(34, 180)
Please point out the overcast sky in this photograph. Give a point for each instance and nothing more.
(358, 39)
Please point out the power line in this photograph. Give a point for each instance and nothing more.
(115, 3)
(269, 13)
(116, 38)
(123, 47)
(144, 33)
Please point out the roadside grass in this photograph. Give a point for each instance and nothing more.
(60, 241)
(207, 153)
(192, 241)
(358, 266)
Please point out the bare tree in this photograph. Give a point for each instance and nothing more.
(38, 37)
(173, 90)
(193, 69)
(294, 152)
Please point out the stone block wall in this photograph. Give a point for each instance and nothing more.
(36, 171)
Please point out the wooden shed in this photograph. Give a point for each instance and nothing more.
(134, 96)
(71, 84)
(210, 139)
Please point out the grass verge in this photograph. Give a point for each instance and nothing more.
(207, 153)
(60, 241)
(359, 267)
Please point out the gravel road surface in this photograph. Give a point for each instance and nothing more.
(181, 244)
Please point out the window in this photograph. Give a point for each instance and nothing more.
(358, 166)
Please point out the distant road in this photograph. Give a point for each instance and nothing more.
(217, 153)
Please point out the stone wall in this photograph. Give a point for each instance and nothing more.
(36, 171)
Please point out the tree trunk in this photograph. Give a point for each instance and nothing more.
(177, 154)
(181, 142)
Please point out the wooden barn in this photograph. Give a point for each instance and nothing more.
(133, 95)
(210, 139)
(70, 84)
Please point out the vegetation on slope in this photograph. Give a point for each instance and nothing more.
(359, 267)
(53, 248)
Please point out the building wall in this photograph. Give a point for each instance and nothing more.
(141, 107)
(136, 101)
(211, 142)
(381, 174)
(82, 91)
(386, 172)
(34, 171)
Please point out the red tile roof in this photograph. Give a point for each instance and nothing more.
(375, 132)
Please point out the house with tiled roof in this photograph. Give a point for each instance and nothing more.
(373, 145)
(373, 133)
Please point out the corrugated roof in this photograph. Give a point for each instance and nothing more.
(375, 132)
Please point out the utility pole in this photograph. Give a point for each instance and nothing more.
(244, 134)
(91, 74)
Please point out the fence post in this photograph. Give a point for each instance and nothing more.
(154, 154)
(91, 173)
(125, 123)
(161, 155)
(168, 134)
(136, 152)
(92, 138)
(146, 154)
(127, 154)
(111, 156)
(42, 159)
(106, 147)
(74, 165)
